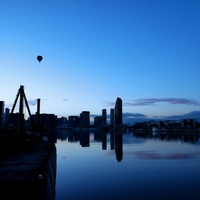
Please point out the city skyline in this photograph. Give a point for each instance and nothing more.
(147, 53)
(84, 119)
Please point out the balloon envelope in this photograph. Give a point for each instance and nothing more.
(39, 58)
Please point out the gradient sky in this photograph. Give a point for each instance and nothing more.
(145, 52)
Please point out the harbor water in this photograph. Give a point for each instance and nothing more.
(133, 165)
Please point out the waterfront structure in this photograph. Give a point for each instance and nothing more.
(24, 161)
(85, 119)
(104, 117)
(112, 116)
(118, 111)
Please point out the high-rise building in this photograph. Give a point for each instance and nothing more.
(85, 119)
(104, 117)
(74, 121)
(118, 111)
(98, 121)
(7, 114)
(14, 121)
(46, 120)
(61, 121)
(7, 111)
(112, 116)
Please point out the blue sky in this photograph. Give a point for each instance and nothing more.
(145, 52)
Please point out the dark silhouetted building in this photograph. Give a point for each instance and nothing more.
(112, 116)
(74, 121)
(98, 121)
(14, 121)
(118, 111)
(47, 121)
(104, 117)
(7, 114)
(85, 119)
(61, 121)
(188, 123)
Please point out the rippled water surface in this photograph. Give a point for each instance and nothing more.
(97, 165)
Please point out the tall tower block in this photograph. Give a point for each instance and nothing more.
(118, 111)
(104, 117)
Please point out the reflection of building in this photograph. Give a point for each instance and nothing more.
(85, 138)
(112, 140)
(98, 136)
(116, 140)
(112, 116)
(82, 136)
(73, 136)
(101, 137)
(104, 141)
(118, 147)
(85, 119)
(104, 117)
(118, 111)
(62, 134)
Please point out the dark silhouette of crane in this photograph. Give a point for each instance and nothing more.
(22, 96)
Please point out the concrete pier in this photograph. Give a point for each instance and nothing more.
(28, 170)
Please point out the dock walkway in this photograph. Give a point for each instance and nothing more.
(28, 171)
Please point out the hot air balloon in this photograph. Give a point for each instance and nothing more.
(39, 58)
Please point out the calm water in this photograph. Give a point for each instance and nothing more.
(96, 165)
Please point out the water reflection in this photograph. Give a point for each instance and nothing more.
(169, 136)
(112, 138)
(145, 165)
(116, 139)
(118, 146)
(85, 139)
(146, 155)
